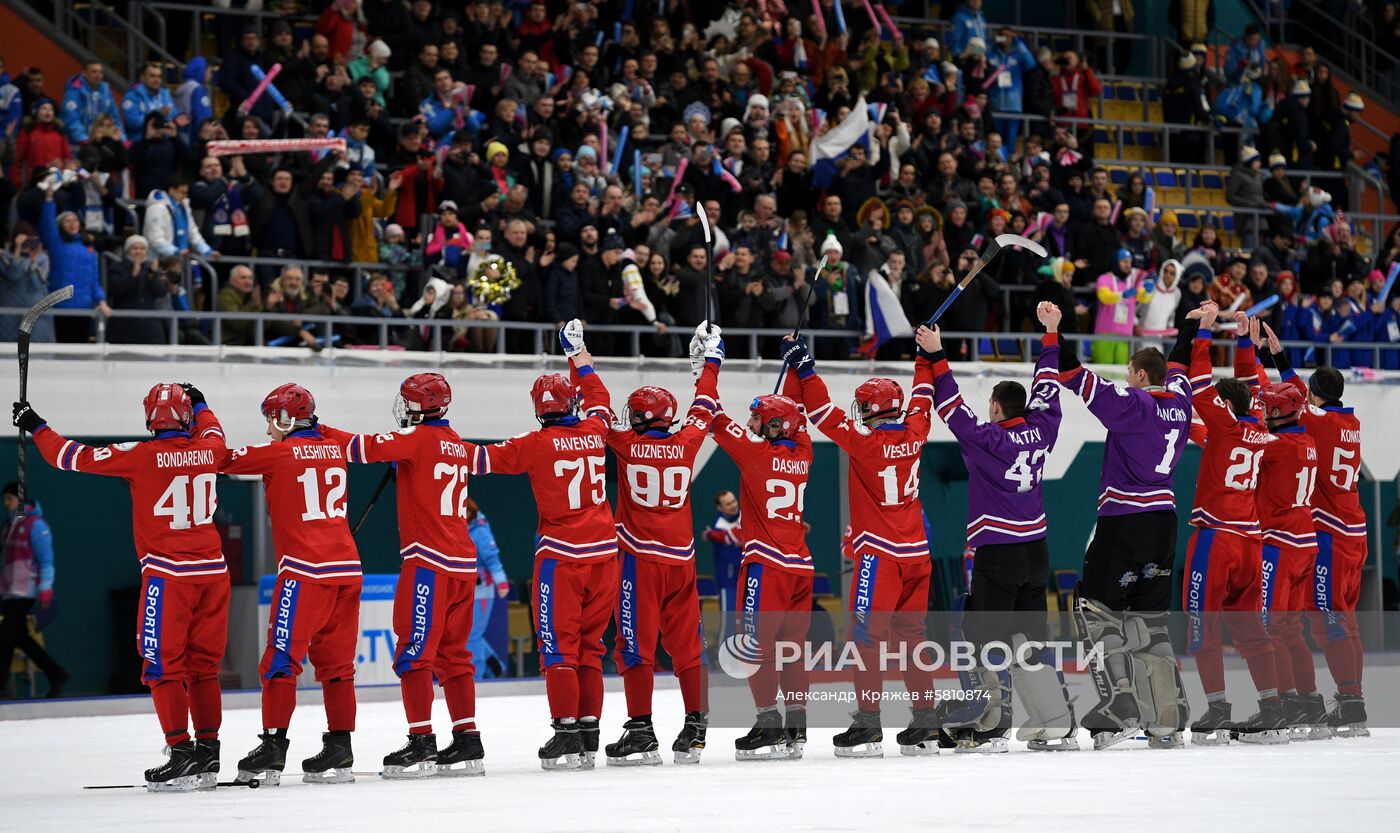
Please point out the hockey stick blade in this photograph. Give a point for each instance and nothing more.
(993, 248)
(1004, 240)
(705, 225)
(252, 785)
(46, 303)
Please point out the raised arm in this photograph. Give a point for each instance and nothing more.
(1211, 408)
(70, 455)
(821, 411)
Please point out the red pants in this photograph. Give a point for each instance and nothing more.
(322, 623)
(889, 601)
(573, 604)
(653, 598)
(181, 632)
(1224, 575)
(1336, 587)
(432, 622)
(1286, 572)
(775, 605)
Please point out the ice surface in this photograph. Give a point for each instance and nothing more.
(1315, 786)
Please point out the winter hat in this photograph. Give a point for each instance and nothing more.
(759, 100)
(447, 205)
(977, 45)
(1327, 386)
(494, 148)
(931, 43)
(393, 229)
(1124, 254)
(1162, 272)
(1169, 216)
(1276, 160)
(727, 126)
(831, 244)
(1199, 49)
(1301, 88)
(555, 154)
(1248, 154)
(135, 240)
(1317, 197)
(564, 251)
(586, 151)
(949, 68)
(781, 256)
(379, 49)
(612, 240)
(1187, 61)
(1354, 103)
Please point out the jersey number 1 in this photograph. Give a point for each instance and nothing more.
(334, 506)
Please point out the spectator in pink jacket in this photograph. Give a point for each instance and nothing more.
(1119, 292)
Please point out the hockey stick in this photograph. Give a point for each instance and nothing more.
(709, 263)
(996, 245)
(26, 330)
(801, 318)
(252, 785)
(378, 490)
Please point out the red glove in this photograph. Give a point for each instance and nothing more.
(45, 597)
(715, 536)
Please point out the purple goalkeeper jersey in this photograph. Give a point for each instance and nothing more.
(1147, 431)
(1005, 460)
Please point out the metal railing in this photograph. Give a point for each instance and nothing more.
(129, 49)
(152, 17)
(1348, 43)
(543, 341)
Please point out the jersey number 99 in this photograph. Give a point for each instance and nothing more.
(652, 487)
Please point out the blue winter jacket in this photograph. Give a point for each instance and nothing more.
(138, 103)
(82, 103)
(488, 553)
(40, 546)
(70, 262)
(1015, 60)
(966, 25)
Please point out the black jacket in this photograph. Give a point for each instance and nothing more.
(132, 289)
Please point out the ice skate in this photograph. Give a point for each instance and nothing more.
(565, 749)
(979, 742)
(921, 737)
(267, 759)
(181, 772)
(208, 754)
(333, 764)
(1348, 717)
(1265, 726)
(1114, 721)
(795, 722)
(1068, 742)
(588, 735)
(637, 746)
(464, 757)
(766, 741)
(863, 739)
(1171, 740)
(417, 758)
(1213, 729)
(691, 740)
(1311, 722)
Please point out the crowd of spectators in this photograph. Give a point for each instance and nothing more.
(577, 142)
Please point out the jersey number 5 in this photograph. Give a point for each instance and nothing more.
(597, 477)
(188, 501)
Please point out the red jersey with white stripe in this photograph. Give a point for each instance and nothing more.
(305, 479)
(173, 498)
(431, 485)
(886, 516)
(772, 483)
(1337, 433)
(1230, 456)
(1287, 476)
(567, 464)
(653, 500)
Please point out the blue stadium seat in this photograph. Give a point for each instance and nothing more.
(1188, 219)
(1227, 222)
(1166, 178)
(821, 585)
(1118, 176)
(1212, 180)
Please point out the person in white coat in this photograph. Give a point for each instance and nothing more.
(169, 225)
(1159, 313)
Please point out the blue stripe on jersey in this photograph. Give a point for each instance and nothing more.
(544, 615)
(753, 594)
(279, 634)
(1195, 600)
(1323, 584)
(627, 610)
(152, 614)
(421, 619)
(1270, 574)
(865, 598)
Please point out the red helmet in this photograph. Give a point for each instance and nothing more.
(289, 404)
(554, 395)
(650, 404)
(878, 397)
(168, 408)
(1281, 401)
(778, 414)
(422, 396)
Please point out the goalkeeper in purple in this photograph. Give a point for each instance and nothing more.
(1126, 583)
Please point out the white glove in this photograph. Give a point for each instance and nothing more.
(571, 338)
(714, 345)
(697, 349)
(69, 176)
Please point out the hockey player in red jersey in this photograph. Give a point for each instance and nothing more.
(889, 585)
(575, 577)
(316, 602)
(1340, 524)
(182, 623)
(774, 456)
(656, 588)
(437, 580)
(1223, 557)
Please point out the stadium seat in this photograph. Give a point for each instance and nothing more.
(1188, 218)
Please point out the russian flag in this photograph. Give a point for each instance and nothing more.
(884, 317)
(831, 147)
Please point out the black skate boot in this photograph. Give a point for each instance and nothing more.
(417, 758)
(267, 759)
(1294, 710)
(692, 738)
(180, 772)
(1348, 717)
(921, 738)
(766, 741)
(208, 753)
(565, 749)
(1264, 726)
(796, 727)
(1114, 720)
(589, 735)
(863, 739)
(1213, 729)
(637, 746)
(465, 757)
(333, 764)
(1312, 724)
